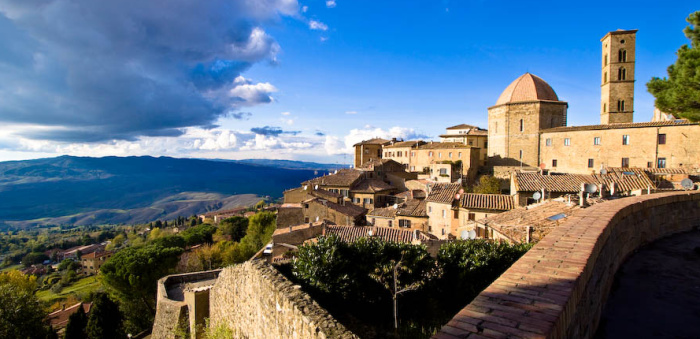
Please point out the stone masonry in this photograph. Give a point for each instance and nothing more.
(559, 288)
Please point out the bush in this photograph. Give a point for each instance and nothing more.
(199, 234)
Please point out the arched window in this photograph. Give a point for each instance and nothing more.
(622, 55)
(605, 107)
(605, 60)
(605, 77)
(522, 125)
(622, 74)
(620, 105)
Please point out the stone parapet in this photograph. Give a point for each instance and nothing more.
(559, 288)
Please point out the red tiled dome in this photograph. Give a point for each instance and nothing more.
(527, 87)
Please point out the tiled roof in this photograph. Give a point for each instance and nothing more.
(471, 132)
(409, 143)
(95, 255)
(352, 233)
(443, 145)
(625, 179)
(443, 192)
(527, 87)
(344, 177)
(378, 162)
(461, 126)
(500, 202)
(321, 193)
(513, 224)
(375, 141)
(371, 186)
(412, 208)
(662, 171)
(384, 212)
(348, 209)
(620, 126)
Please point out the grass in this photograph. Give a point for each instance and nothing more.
(80, 287)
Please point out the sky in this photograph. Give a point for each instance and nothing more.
(294, 79)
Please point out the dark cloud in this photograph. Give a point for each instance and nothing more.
(320, 134)
(101, 70)
(272, 131)
(240, 115)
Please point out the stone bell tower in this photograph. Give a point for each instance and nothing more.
(617, 77)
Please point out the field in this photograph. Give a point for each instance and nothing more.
(80, 287)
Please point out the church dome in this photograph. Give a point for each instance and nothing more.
(527, 87)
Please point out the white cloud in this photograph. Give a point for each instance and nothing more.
(317, 25)
(251, 93)
(330, 3)
(334, 145)
(285, 113)
(304, 9)
(351, 112)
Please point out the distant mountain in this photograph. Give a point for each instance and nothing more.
(79, 186)
(292, 164)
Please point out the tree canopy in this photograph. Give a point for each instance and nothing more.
(105, 321)
(21, 314)
(679, 94)
(488, 185)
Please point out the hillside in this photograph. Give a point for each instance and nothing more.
(126, 188)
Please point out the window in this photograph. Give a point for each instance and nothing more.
(443, 231)
(605, 107)
(495, 126)
(625, 139)
(399, 153)
(430, 154)
(554, 162)
(567, 142)
(306, 219)
(439, 154)
(443, 171)
(449, 155)
(521, 154)
(596, 141)
(405, 223)
(471, 142)
(625, 162)
(430, 209)
(649, 164)
(620, 105)
(622, 55)
(522, 125)
(605, 77)
(374, 220)
(366, 201)
(662, 139)
(621, 74)
(455, 214)
(391, 223)
(486, 144)
(444, 213)
(472, 216)
(661, 163)
(459, 154)
(605, 60)
(345, 193)
(590, 163)
(366, 151)
(548, 142)
(413, 168)
(413, 154)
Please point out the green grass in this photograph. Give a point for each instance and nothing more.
(82, 286)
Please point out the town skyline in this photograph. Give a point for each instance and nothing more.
(313, 78)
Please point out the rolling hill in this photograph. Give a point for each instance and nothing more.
(87, 190)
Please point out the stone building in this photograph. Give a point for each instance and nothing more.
(317, 209)
(527, 106)
(407, 215)
(92, 262)
(469, 135)
(442, 210)
(617, 77)
(368, 150)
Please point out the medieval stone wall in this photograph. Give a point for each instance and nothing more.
(559, 288)
(255, 301)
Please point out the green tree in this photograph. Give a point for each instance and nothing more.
(199, 234)
(131, 275)
(34, 258)
(75, 329)
(679, 94)
(488, 185)
(105, 320)
(21, 314)
(235, 226)
(325, 265)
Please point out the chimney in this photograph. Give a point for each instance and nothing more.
(63, 307)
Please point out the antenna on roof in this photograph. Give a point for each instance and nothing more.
(396, 206)
(306, 187)
(687, 184)
(316, 187)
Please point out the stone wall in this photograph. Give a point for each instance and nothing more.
(255, 301)
(559, 288)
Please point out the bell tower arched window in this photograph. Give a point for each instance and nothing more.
(622, 55)
(522, 125)
(622, 74)
(620, 105)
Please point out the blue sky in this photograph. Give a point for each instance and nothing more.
(297, 80)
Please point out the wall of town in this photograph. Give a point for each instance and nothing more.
(559, 288)
(441, 219)
(681, 149)
(367, 152)
(255, 301)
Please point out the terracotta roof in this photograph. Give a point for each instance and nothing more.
(412, 208)
(375, 141)
(384, 212)
(527, 87)
(344, 177)
(95, 255)
(352, 233)
(661, 171)
(409, 143)
(443, 192)
(378, 162)
(443, 145)
(348, 209)
(471, 132)
(669, 123)
(59, 319)
(462, 126)
(513, 224)
(625, 179)
(321, 193)
(500, 202)
(371, 186)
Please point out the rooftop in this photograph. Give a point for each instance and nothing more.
(353, 233)
(374, 141)
(669, 123)
(344, 177)
(541, 217)
(500, 202)
(625, 179)
(443, 192)
(410, 143)
(527, 87)
(443, 145)
(371, 186)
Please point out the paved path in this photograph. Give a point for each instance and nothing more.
(656, 293)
